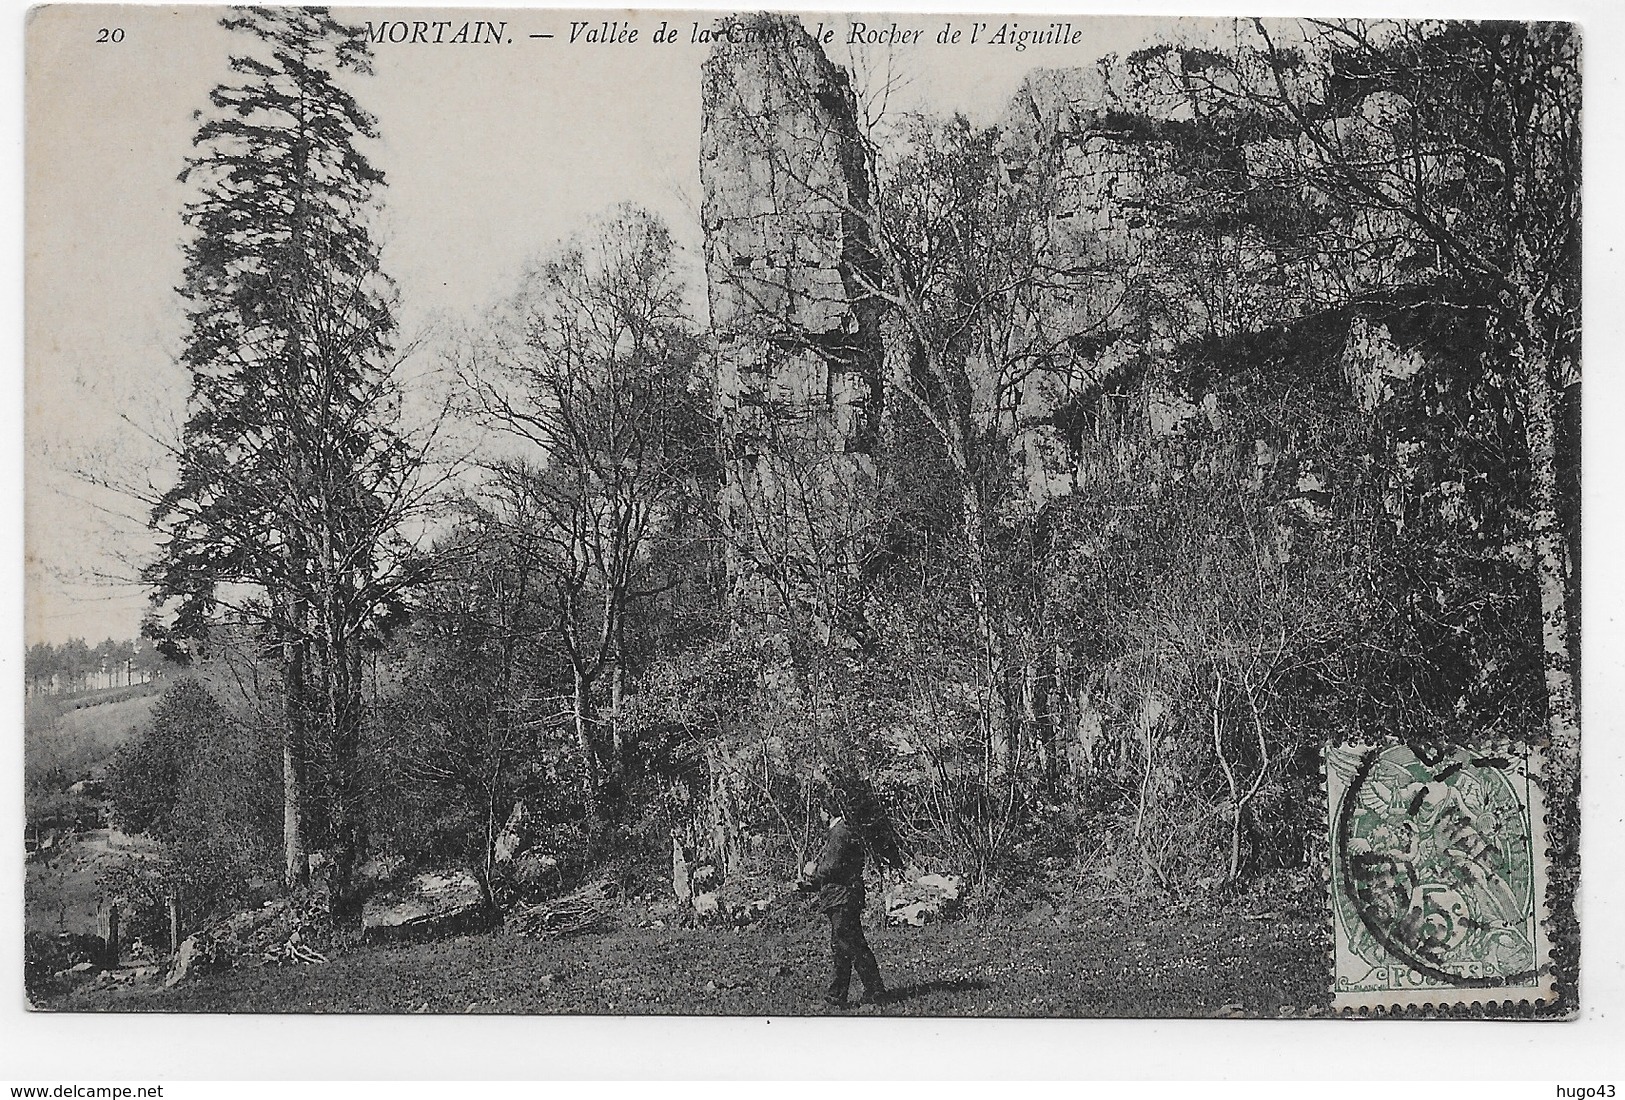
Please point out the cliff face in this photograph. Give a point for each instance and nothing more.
(1192, 311)
(1132, 381)
(799, 362)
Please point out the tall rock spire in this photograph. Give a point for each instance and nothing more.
(799, 360)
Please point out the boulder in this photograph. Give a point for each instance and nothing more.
(749, 912)
(534, 870)
(923, 899)
(913, 913)
(184, 958)
(240, 926)
(432, 904)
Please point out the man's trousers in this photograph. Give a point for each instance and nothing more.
(851, 949)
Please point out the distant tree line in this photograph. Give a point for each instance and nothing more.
(76, 666)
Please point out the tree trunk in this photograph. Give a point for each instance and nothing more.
(1001, 746)
(724, 829)
(296, 861)
(1551, 563)
(1066, 721)
(617, 695)
(1037, 706)
(582, 708)
(1230, 781)
(352, 831)
(334, 668)
(342, 681)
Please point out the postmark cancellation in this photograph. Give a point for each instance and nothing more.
(1438, 869)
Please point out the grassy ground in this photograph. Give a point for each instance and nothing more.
(1187, 962)
(61, 745)
(101, 728)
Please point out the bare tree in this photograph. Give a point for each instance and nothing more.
(592, 371)
(925, 224)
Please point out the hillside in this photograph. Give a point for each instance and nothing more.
(63, 744)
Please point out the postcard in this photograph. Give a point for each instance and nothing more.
(641, 512)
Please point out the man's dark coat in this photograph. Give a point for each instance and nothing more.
(838, 873)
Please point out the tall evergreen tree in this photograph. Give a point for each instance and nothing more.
(290, 472)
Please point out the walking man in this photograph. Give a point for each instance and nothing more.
(837, 874)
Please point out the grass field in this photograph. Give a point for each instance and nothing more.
(62, 744)
(1185, 962)
(1245, 958)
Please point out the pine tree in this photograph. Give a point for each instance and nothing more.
(288, 466)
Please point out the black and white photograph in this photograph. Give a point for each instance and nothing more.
(655, 513)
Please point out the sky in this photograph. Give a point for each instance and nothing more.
(493, 153)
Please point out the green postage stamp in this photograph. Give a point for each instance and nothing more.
(1438, 877)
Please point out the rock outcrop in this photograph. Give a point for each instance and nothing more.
(1117, 168)
(1218, 320)
(800, 363)
(432, 904)
(923, 899)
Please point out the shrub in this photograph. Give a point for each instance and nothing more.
(209, 788)
(148, 774)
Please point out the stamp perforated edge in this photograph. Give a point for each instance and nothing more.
(1533, 1000)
